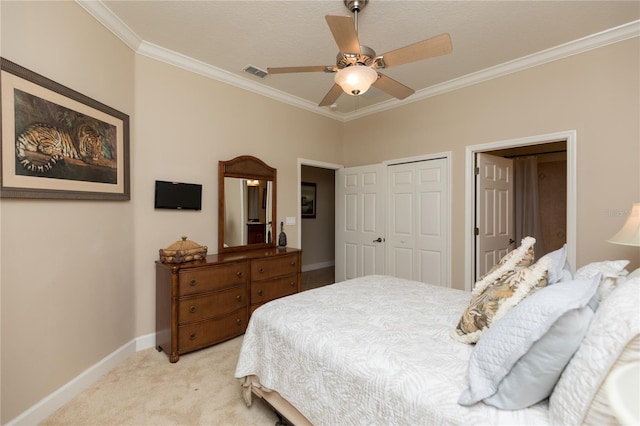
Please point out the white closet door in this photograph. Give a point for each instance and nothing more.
(360, 221)
(418, 228)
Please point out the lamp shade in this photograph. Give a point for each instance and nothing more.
(629, 234)
(356, 79)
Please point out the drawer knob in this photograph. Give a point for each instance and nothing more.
(259, 292)
(239, 321)
(238, 298)
(192, 282)
(239, 274)
(192, 309)
(261, 269)
(293, 283)
(293, 263)
(192, 336)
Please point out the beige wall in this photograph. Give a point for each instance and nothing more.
(185, 124)
(67, 266)
(596, 93)
(77, 278)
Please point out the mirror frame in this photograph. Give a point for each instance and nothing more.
(245, 167)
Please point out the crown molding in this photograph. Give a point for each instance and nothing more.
(594, 41)
(106, 17)
(112, 22)
(187, 63)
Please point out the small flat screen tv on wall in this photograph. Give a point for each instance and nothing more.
(177, 195)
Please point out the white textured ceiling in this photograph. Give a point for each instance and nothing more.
(222, 37)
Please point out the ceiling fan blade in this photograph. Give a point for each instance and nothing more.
(331, 96)
(434, 46)
(392, 87)
(313, 68)
(344, 32)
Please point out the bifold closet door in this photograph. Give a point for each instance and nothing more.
(418, 225)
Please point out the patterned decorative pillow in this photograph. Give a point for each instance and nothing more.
(519, 258)
(513, 279)
(515, 260)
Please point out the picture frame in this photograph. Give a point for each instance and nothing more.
(308, 202)
(57, 143)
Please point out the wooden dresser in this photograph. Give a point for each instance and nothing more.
(205, 302)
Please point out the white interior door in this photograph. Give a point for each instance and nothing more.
(360, 221)
(418, 226)
(494, 210)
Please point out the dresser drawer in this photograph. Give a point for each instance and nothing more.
(264, 291)
(199, 280)
(197, 308)
(204, 333)
(277, 266)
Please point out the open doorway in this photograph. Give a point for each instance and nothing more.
(540, 179)
(317, 223)
(533, 185)
(564, 145)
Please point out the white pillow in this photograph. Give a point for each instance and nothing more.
(609, 339)
(634, 274)
(612, 272)
(519, 359)
(559, 266)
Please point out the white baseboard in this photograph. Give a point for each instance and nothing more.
(48, 405)
(320, 265)
(146, 342)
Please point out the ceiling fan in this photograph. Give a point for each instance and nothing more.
(356, 66)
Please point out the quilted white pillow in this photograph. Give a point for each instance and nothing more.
(517, 362)
(615, 326)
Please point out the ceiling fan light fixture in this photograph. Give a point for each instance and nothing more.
(355, 80)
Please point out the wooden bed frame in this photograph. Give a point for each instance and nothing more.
(287, 413)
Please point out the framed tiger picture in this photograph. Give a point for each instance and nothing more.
(58, 143)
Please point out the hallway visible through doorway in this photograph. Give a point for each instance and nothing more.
(565, 141)
(318, 278)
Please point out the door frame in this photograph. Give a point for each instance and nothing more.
(570, 136)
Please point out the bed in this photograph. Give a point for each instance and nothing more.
(379, 350)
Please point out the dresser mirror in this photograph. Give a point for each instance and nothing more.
(246, 204)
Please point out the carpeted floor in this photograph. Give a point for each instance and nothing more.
(147, 389)
(199, 389)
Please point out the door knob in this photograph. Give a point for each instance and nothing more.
(379, 240)
(511, 241)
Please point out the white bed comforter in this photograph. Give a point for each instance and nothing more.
(373, 350)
